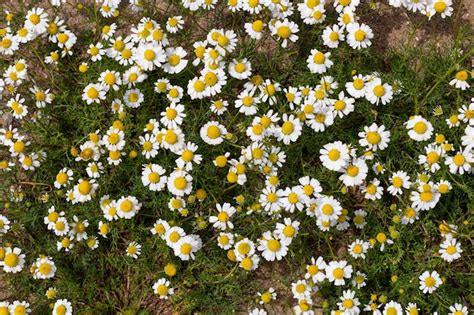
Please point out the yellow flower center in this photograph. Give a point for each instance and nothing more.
(284, 32)
(180, 183)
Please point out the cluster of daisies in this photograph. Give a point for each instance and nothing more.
(273, 117)
(429, 8)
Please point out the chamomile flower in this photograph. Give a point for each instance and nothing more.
(174, 24)
(180, 183)
(96, 52)
(315, 271)
(286, 31)
(240, 69)
(458, 309)
(359, 280)
(13, 260)
(186, 247)
(334, 156)
(349, 303)
(244, 248)
(153, 177)
(128, 207)
(213, 133)
(319, 62)
(460, 80)
(378, 92)
(134, 250)
(188, 156)
(392, 307)
(374, 137)
(287, 230)
(333, 35)
(175, 61)
(44, 268)
(163, 289)
(225, 240)
(359, 35)
(149, 56)
(149, 146)
(36, 20)
(93, 93)
(450, 249)
(111, 80)
(290, 129)
(358, 249)
(399, 180)
(354, 173)
(419, 129)
(62, 307)
(222, 220)
(460, 162)
(338, 271)
(429, 281)
(255, 29)
(247, 102)
(301, 289)
(273, 247)
(19, 307)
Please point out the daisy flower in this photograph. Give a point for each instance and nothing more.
(175, 61)
(429, 281)
(359, 35)
(315, 271)
(450, 249)
(286, 31)
(13, 260)
(44, 268)
(162, 289)
(377, 92)
(221, 221)
(93, 93)
(332, 35)
(290, 130)
(419, 129)
(180, 183)
(319, 62)
(334, 156)
(62, 307)
(338, 271)
(152, 177)
(133, 250)
(213, 133)
(460, 80)
(272, 247)
(349, 303)
(128, 207)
